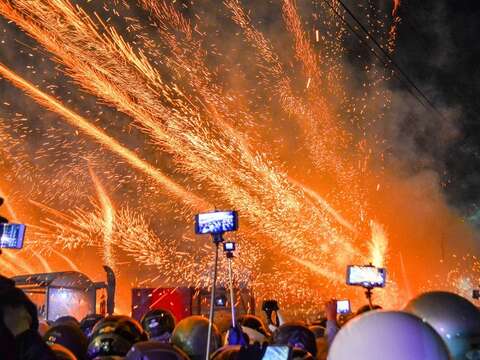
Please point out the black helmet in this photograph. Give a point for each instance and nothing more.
(16, 298)
(154, 350)
(88, 323)
(190, 335)
(66, 320)
(300, 354)
(367, 308)
(70, 337)
(157, 322)
(62, 353)
(226, 352)
(297, 336)
(114, 336)
(253, 322)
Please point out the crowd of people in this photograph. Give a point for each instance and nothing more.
(433, 326)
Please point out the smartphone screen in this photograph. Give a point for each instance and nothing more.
(11, 236)
(343, 307)
(367, 276)
(277, 352)
(216, 222)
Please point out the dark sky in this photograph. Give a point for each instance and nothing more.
(439, 47)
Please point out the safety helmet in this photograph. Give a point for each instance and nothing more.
(154, 350)
(114, 336)
(226, 352)
(70, 337)
(157, 323)
(66, 320)
(88, 323)
(317, 330)
(296, 335)
(387, 335)
(455, 318)
(62, 353)
(366, 308)
(191, 336)
(254, 328)
(301, 354)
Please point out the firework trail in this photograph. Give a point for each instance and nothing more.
(17, 259)
(67, 260)
(17, 262)
(378, 244)
(320, 151)
(325, 140)
(324, 204)
(84, 125)
(108, 213)
(396, 6)
(251, 184)
(207, 134)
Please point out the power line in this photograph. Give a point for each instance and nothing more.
(387, 60)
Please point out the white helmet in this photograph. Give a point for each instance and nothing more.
(387, 335)
(455, 318)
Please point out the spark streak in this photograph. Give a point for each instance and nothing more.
(78, 121)
(108, 220)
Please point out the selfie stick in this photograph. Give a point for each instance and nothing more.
(217, 239)
(368, 294)
(229, 254)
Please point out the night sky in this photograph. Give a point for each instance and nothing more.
(438, 46)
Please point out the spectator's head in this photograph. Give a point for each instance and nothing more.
(455, 318)
(158, 324)
(6, 283)
(223, 320)
(88, 323)
(191, 336)
(317, 330)
(154, 350)
(301, 354)
(228, 352)
(18, 312)
(70, 337)
(367, 308)
(392, 335)
(253, 327)
(296, 336)
(114, 336)
(62, 353)
(66, 320)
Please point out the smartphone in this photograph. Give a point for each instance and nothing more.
(229, 246)
(11, 236)
(216, 222)
(221, 301)
(343, 307)
(367, 276)
(277, 352)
